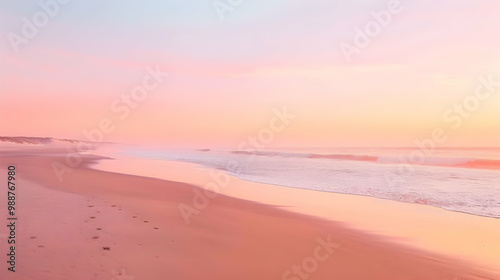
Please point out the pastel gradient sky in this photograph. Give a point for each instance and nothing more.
(227, 76)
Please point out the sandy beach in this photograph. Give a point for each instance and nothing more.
(98, 224)
(408, 224)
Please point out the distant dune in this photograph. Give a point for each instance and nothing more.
(39, 140)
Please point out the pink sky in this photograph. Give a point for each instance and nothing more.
(226, 77)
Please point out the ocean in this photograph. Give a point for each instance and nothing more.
(459, 179)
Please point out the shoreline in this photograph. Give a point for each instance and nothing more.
(242, 238)
(353, 210)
